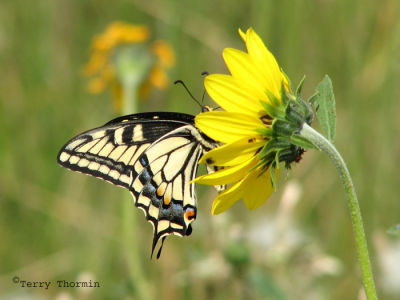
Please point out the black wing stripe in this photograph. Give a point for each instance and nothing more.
(177, 188)
(177, 160)
(86, 146)
(113, 172)
(189, 197)
(107, 149)
(126, 157)
(77, 142)
(98, 146)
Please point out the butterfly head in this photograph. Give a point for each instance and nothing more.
(206, 108)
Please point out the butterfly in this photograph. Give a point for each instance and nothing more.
(155, 156)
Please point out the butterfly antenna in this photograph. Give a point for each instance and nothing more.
(205, 73)
(186, 88)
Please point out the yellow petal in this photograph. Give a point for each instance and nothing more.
(242, 35)
(227, 198)
(158, 78)
(96, 85)
(233, 95)
(134, 34)
(254, 189)
(265, 62)
(102, 43)
(121, 32)
(242, 68)
(227, 175)
(233, 153)
(227, 127)
(100, 83)
(258, 188)
(97, 61)
(164, 52)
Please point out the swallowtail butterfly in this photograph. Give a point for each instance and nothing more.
(154, 155)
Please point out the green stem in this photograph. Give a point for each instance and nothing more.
(130, 86)
(131, 242)
(324, 145)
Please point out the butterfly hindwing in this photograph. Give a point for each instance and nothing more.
(155, 156)
(162, 187)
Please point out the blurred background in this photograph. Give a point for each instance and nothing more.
(60, 225)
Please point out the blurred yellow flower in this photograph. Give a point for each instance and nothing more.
(122, 52)
(255, 100)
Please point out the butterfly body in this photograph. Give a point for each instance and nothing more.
(153, 155)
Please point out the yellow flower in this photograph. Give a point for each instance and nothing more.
(253, 126)
(148, 62)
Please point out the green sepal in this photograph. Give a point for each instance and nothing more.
(261, 163)
(302, 142)
(274, 100)
(285, 96)
(314, 98)
(284, 128)
(326, 112)
(277, 160)
(273, 111)
(266, 132)
(300, 86)
(288, 155)
(268, 152)
(272, 172)
(295, 113)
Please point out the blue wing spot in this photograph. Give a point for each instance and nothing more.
(144, 177)
(144, 161)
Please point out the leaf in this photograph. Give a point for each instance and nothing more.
(326, 113)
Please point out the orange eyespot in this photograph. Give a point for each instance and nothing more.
(190, 214)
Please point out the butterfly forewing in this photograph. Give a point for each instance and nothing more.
(155, 156)
(110, 151)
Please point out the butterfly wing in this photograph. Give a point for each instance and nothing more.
(109, 151)
(162, 187)
(155, 156)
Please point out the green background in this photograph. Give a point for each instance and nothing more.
(60, 225)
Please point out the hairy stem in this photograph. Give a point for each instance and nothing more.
(358, 228)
